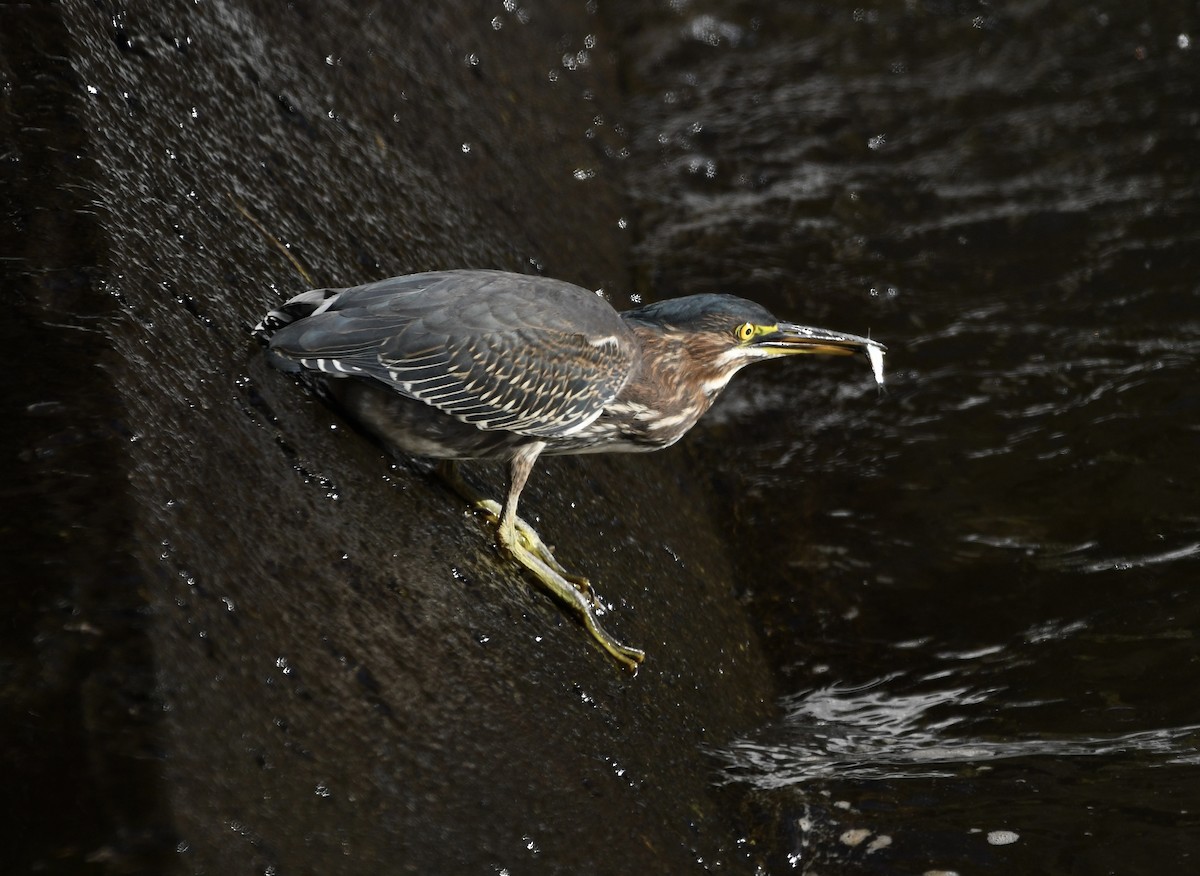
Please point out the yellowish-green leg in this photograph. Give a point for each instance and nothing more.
(533, 543)
(529, 537)
(524, 545)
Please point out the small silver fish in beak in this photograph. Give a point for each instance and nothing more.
(791, 339)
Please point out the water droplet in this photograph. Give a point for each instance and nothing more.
(1183, 41)
(1002, 837)
(854, 836)
(881, 841)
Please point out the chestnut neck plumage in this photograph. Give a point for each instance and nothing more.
(668, 391)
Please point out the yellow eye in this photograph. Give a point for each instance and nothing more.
(745, 332)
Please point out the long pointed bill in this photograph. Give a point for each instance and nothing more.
(790, 339)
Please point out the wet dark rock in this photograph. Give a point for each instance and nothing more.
(238, 638)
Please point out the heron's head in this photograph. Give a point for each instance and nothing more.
(724, 333)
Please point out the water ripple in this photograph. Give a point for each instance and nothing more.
(868, 732)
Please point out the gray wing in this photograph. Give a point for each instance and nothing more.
(499, 351)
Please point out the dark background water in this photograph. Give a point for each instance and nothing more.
(950, 627)
(979, 590)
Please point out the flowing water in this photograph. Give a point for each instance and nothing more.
(979, 589)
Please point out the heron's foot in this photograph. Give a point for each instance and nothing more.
(568, 591)
(533, 543)
(492, 510)
(525, 546)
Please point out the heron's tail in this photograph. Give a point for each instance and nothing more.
(304, 304)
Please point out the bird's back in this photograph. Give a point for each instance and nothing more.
(496, 350)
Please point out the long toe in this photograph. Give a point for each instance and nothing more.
(585, 604)
(533, 542)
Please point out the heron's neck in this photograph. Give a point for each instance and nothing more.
(670, 389)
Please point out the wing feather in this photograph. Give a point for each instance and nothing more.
(499, 351)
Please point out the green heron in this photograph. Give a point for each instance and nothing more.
(458, 365)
